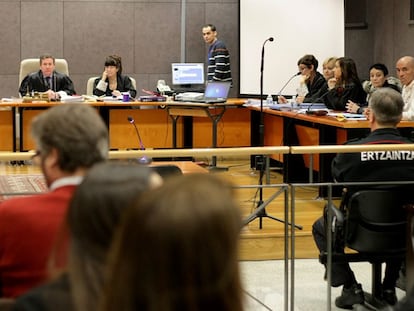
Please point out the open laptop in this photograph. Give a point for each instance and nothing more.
(215, 92)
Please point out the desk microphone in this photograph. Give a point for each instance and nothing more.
(284, 86)
(142, 159)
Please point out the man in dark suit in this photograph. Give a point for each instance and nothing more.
(47, 80)
(69, 138)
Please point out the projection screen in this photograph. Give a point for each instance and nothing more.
(298, 27)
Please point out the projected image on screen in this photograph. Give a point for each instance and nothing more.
(187, 73)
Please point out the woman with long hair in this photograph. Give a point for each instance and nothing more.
(344, 86)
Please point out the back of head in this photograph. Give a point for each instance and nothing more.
(76, 131)
(93, 214)
(177, 249)
(387, 106)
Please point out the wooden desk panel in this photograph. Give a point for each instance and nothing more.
(273, 127)
(309, 136)
(27, 116)
(233, 130)
(6, 129)
(154, 127)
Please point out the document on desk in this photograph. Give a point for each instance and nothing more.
(72, 99)
(348, 116)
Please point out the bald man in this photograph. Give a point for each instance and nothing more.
(405, 72)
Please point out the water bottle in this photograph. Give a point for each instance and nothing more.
(269, 100)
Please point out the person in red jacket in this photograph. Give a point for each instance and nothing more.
(69, 139)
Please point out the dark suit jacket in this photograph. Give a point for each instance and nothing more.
(35, 82)
(124, 84)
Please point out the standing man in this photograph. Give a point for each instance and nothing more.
(218, 65)
(384, 113)
(69, 139)
(405, 72)
(47, 80)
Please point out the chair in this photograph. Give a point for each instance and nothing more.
(89, 85)
(30, 65)
(374, 226)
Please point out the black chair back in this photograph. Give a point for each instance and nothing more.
(376, 221)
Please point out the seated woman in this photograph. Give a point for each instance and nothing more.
(344, 86)
(327, 68)
(311, 82)
(113, 82)
(177, 249)
(377, 78)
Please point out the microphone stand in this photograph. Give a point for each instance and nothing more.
(261, 205)
(143, 159)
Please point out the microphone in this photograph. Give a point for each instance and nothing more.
(263, 49)
(143, 159)
(284, 86)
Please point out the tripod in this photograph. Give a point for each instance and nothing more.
(261, 205)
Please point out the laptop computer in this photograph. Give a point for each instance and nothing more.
(215, 92)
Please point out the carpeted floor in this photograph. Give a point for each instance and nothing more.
(12, 185)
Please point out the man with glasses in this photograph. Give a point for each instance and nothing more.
(69, 139)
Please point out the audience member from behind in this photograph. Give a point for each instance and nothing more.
(378, 77)
(92, 217)
(113, 82)
(405, 72)
(327, 67)
(177, 249)
(344, 86)
(384, 113)
(54, 83)
(311, 82)
(218, 66)
(69, 140)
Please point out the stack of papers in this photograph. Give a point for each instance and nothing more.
(71, 99)
(347, 115)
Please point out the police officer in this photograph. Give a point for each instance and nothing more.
(384, 113)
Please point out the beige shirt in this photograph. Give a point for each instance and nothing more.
(408, 97)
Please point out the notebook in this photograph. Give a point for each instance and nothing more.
(216, 92)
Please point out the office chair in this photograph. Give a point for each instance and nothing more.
(89, 85)
(374, 226)
(30, 65)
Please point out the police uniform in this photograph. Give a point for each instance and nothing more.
(375, 165)
(369, 166)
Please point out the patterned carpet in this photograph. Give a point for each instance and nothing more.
(12, 185)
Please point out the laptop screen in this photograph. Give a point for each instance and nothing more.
(217, 90)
